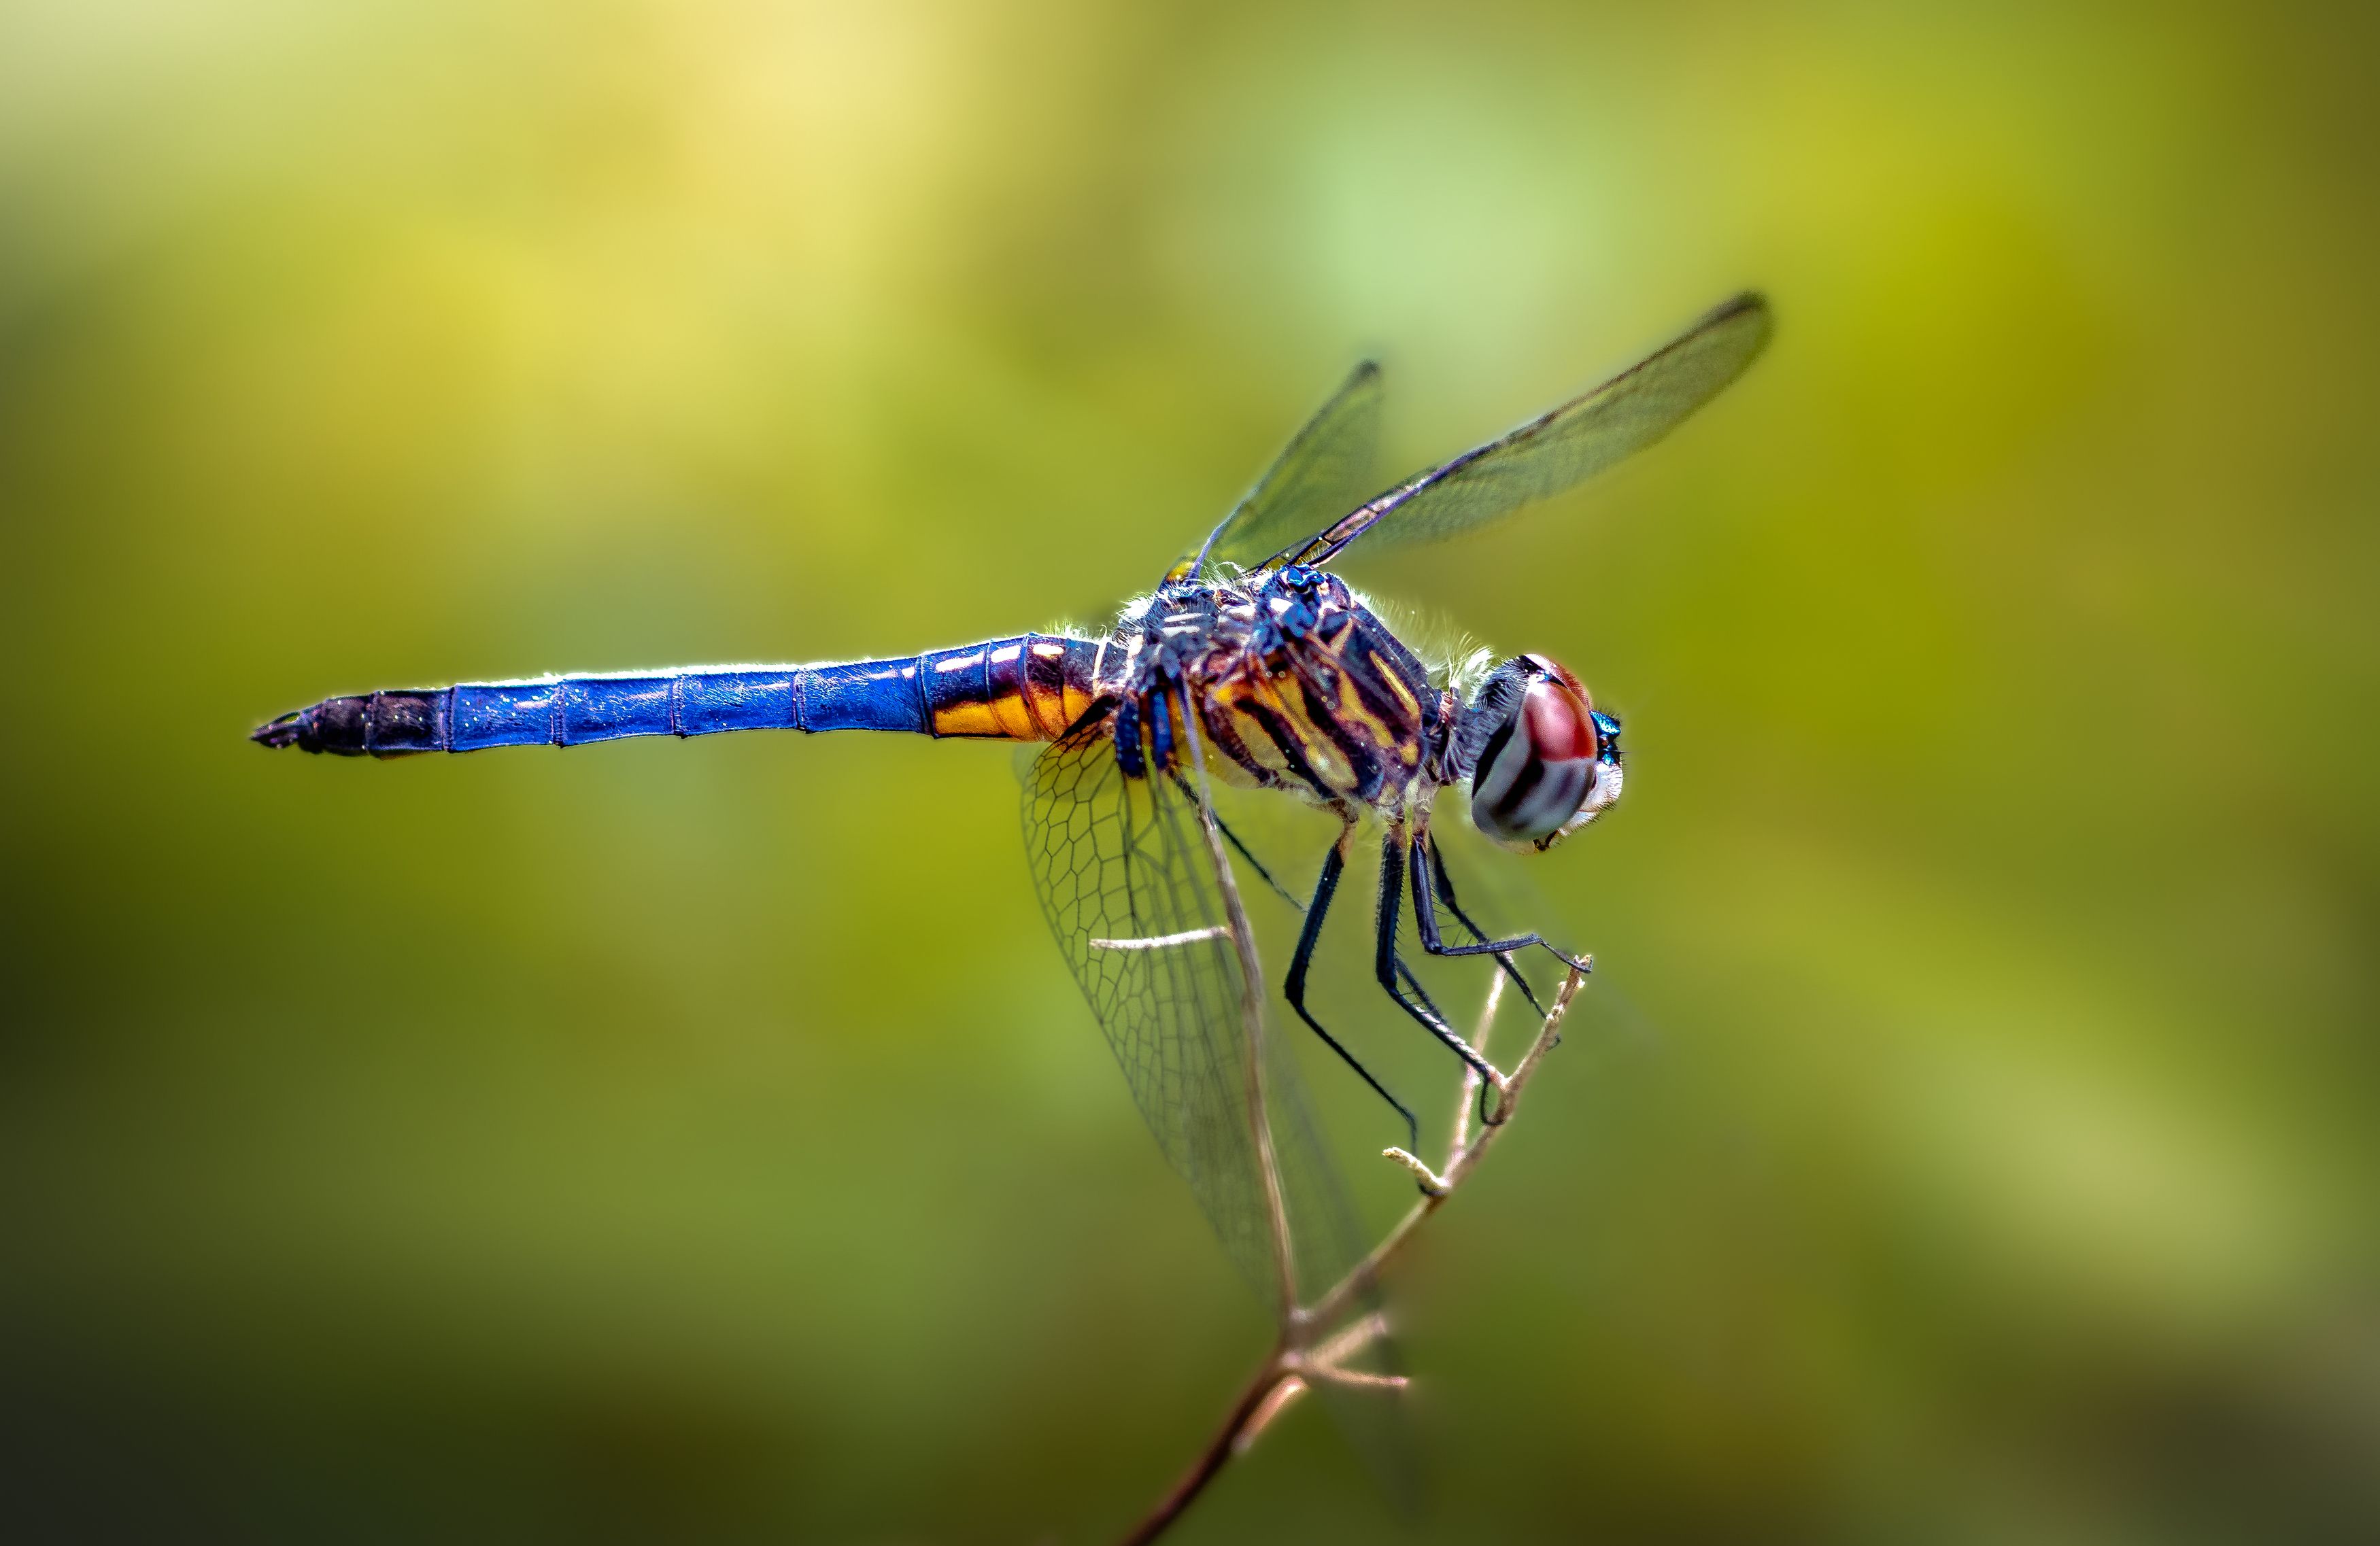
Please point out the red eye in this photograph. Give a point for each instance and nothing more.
(1547, 665)
(1547, 762)
(1560, 725)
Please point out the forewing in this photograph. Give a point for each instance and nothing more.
(1319, 477)
(1560, 448)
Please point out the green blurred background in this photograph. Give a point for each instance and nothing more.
(704, 1142)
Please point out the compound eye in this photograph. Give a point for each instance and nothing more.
(1539, 766)
(1561, 727)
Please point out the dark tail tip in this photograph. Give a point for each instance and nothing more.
(289, 730)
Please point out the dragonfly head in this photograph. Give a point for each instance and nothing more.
(1542, 762)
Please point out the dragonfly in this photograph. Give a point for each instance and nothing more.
(1254, 665)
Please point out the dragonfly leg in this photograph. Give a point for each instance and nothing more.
(1284, 892)
(1393, 860)
(1445, 895)
(1294, 987)
(1247, 855)
(1425, 918)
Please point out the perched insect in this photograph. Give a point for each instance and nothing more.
(1251, 662)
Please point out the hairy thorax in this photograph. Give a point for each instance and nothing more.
(1297, 686)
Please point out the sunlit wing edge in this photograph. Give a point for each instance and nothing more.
(1705, 359)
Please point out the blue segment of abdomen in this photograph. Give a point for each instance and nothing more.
(573, 711)
(870, 694)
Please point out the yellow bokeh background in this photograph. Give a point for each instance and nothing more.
(703, 1141)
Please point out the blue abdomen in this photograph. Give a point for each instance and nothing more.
(915, 694)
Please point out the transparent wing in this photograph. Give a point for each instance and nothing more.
(1320, 476)
(1130, 891)
(1557, 449)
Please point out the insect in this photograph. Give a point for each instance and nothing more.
(1251, 663)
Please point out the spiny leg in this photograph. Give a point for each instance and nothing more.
(1446, 894)
(1405, 972)
(1284, 892)
(1425, 918)
(1394, 858)
(1293, 987)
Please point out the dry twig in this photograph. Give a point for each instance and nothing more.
(1296, 1360)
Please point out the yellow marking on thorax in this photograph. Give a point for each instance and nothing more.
(1314, 743)
(1353, 708)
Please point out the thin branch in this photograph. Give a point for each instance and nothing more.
(1255, 1407)
(1287, 1368)
(1459, 1164)
(1468, 1097)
